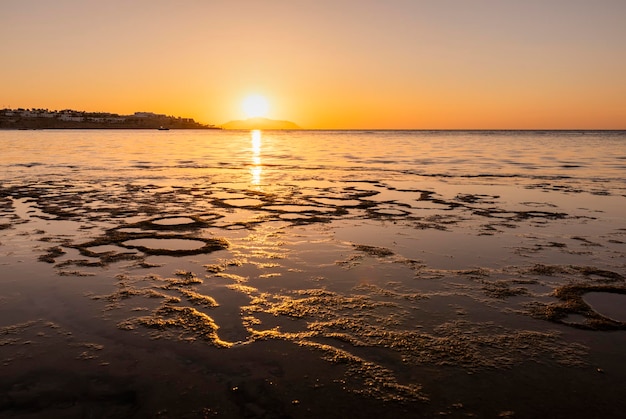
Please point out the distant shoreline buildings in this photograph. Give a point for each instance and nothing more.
(68, 119)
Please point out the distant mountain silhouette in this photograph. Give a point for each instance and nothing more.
(259, 123)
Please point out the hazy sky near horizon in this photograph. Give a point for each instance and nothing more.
(324, 63)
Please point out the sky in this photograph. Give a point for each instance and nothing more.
(324, 64)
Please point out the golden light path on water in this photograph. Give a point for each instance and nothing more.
(256, 168)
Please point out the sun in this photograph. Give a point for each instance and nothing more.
(255, 106)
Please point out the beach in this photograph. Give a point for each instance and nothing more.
(312, 274)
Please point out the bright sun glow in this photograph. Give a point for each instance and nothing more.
(255, 106)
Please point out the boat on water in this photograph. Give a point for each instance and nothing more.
(162, 128)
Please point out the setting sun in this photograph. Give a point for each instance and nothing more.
(255, 106)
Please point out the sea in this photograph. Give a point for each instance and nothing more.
(201, 273)
(596, 156)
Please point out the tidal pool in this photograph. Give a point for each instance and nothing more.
(608, 304)
(167, 244)
(173, 221)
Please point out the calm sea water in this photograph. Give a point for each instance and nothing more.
(586, 156)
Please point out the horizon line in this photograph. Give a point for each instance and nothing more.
(429, 129)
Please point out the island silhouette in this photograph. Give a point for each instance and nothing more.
(259, 123)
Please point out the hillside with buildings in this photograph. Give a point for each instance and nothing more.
(71, 119)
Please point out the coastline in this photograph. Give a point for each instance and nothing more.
(68, 125)
(22, 119)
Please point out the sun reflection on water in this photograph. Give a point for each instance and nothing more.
(256, 168)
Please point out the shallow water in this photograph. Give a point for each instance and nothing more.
(610, 305)
(386, 273)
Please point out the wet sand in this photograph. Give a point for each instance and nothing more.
(316, 297)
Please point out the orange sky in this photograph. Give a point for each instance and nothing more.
(324, 63)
